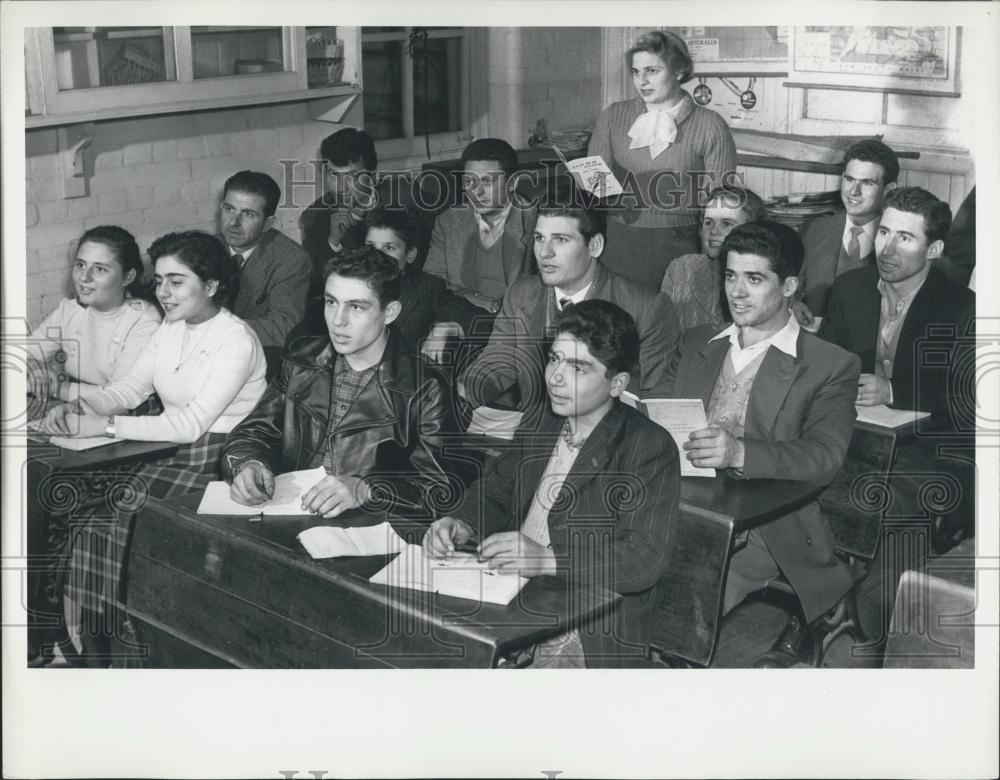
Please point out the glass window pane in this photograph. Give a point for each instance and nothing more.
(229, 51)
(324, 57)
(381, 29)
(383, 99)
(437, 86)
(88, 57)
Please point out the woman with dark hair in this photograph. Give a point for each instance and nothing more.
(93, 339)
(206, 365)
(671, 149)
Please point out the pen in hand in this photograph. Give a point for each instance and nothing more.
(262, 484)
(470, 547)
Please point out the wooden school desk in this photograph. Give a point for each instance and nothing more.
(203, 591)
(60, 485)
(713, 512)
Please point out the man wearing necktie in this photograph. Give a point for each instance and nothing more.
(274, 269)
(568, 243)
(844, 241)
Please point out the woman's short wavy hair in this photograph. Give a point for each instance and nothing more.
(670, 48)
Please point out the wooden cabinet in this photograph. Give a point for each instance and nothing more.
(86, 74)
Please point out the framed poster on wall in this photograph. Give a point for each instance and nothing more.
(914, 60)
(734, 51)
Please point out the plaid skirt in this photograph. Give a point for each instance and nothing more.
(100, 543)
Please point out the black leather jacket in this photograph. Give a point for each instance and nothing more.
(393, 435)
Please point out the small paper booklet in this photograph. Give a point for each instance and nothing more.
(679, 416)
(461, 576)
(495, 423)
(324, 541)
(287, 499)
(67, 442)
(885, 417)
(591, 174)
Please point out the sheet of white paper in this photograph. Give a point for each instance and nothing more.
(679, 416)
(495, 423)
(67, 442)
(462, 576)
(288, 490)
(885, 417)
(325, 541)
(85, 443)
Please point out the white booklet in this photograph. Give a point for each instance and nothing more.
(679, 416)
(883, 416)
(461, 575)
(287, 498)
(591, 174)
(495, 423)
(77, 444)
(324, 541)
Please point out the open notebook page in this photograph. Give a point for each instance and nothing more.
(461, 576)
(287, 499)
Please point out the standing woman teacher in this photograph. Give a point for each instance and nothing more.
(672, 148)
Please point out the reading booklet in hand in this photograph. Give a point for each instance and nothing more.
(679, 416)
(591, 174)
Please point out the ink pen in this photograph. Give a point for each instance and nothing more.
(469, 547)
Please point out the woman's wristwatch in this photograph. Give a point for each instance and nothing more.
(109, 427)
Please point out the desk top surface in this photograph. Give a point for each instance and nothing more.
(544, 605)
(749, 502)
(59, 459)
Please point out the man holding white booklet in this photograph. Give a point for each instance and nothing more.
(588, 496)
(780, 404)
(371, 417)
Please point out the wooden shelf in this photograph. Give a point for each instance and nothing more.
(98, 115)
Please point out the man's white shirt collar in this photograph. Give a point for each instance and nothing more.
(785, 340)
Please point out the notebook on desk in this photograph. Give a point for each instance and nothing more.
(67, 442)
(461, 576)
(884, 417)
(287, 498)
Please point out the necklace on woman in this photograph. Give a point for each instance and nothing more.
(181, 360)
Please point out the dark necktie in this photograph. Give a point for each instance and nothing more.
(563, 303)
(239, 261)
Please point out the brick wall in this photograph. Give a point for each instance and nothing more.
(153, 175)
(548, 73)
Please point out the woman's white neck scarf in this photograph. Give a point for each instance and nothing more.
(655, 128)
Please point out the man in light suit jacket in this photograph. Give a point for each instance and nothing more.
(274, 270)
(780, 405)
(482, 246)
(846, 240)
(568, 243)
(588, 498)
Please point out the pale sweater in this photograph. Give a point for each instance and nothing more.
(209, 388)
(99, 347)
